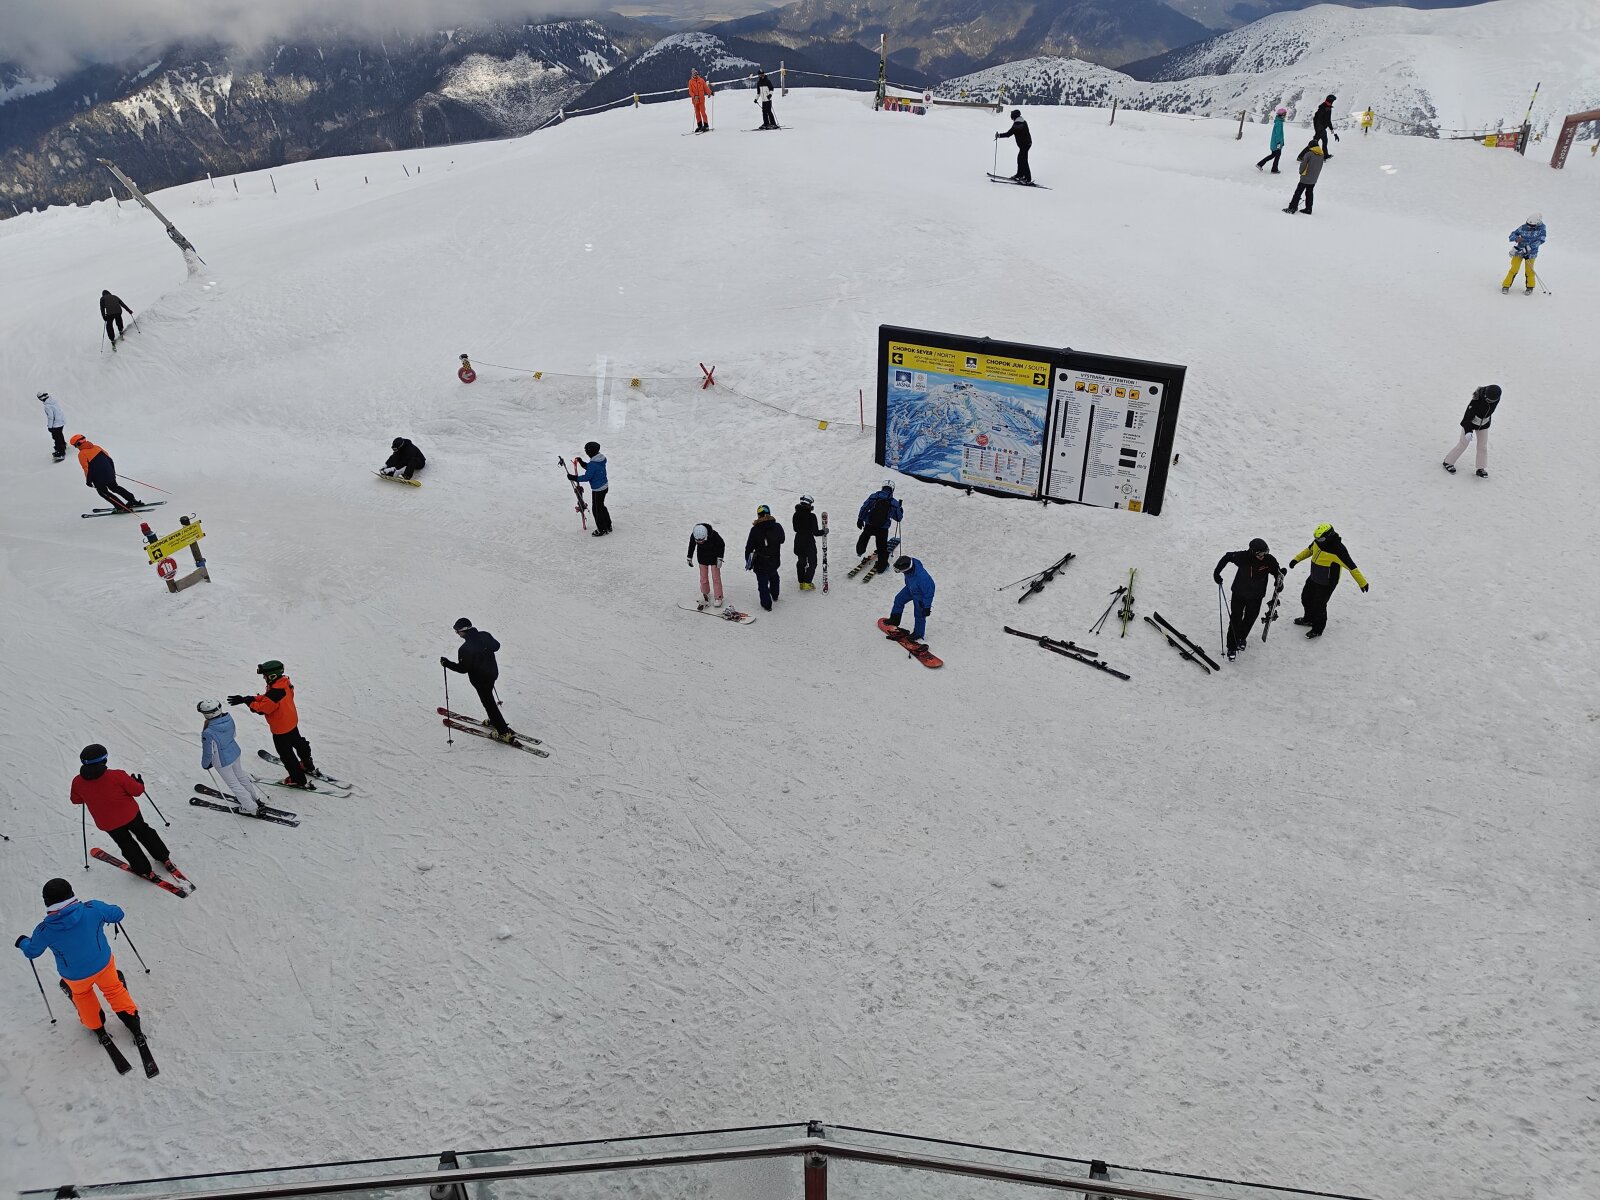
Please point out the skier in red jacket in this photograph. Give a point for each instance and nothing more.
(110, 798)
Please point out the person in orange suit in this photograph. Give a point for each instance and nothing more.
(699, 89)
(100, 473)
(276, 704)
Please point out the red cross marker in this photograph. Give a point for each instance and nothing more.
(711, 376)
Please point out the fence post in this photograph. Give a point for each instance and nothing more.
(1239, 137)
(448, 1191)
(816, 1168)
(273, 182)
(1113, 110)
(783, 79)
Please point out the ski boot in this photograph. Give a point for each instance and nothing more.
(1481, 473)
(1313, 633)
(1527, 291)
(1302, 620)
(1506, 291)
(702, 603)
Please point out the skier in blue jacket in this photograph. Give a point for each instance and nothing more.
(1275, 149)
(917, 588)
(595, 476)
(219, 748)
(74, 931)
(1525, 241)
(877, 510)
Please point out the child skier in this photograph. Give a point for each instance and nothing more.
(917, 588)
(1311, 160)
(111, 798)
(75, 932)
(1475, 425)
(707, 547)
(1327, 555)
(55, 421)
(276, 704)
(599, 485)
(807, 529)
(763, 554)
(1525, 242)
(219, 748)
(1253, 569)
(1275, 147)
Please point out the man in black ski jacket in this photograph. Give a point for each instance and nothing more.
(1253, 570)
(1322, 125)
(406, 460)
(111, 310)
(763, 554)
(477, 662)
(1019, 130)
(806, 531)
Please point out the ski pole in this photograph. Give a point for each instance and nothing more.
(995, 169)
(142, 483)
(1221, 630)
(42, 996)
(449, 734)
(157, 807)
(132, 947)
(83, 822)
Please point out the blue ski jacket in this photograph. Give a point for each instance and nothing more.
(1526, 239)
(76, 933)
(595, 473)
(918, 589)
(219, 747)
(1277, 134)
(888, 510)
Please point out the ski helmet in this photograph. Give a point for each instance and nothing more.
(208, 708)
(1257, 546)
(1535, 219)
(807, 500)
(56, 891)
(888, 485)
(77, 439)
(902, 563)
(397, 443)
(272, 669)
(1322, 531)
(700, 533)
(1331, 98)
(763, 511)
(92, 761)
(591, 448)
(44, 395)
(1282, 111)
(1016, 114)
(1492, 391)
(462, 624)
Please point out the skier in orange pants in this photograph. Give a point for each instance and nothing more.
(699, 89)
(75, 931)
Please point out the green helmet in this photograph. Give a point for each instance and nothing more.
(1322, 531)
(272, 669)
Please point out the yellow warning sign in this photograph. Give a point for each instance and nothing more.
(186, 535)
(993, 368)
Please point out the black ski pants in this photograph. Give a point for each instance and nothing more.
(805, 560)
(1308, 190)
(768, 121)
(1024, 172)
(1323, 138)
(127, 497)
(60, 440)
(1242, 614)
(485, 689)
(1314, 599)
(881, 536)
(128, 838)
(295, 751)
(114, 333)
(767, 583)
(1271, 158)
(602, 518)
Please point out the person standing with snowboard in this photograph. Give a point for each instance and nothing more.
(1311, 161)
(1253, 569)
(112, 800)
(1328, 556)
(599, 486)
(405, 461)
(219, 749)
(111, 310)
(877, 511)
(1322, 125)
(699, 89)
(916, 588)
(100, 473)
(764, 98)
(706, 546)
(1475, 425)
(55, 421)
(477, 662)
(807, 529)
(1275, 147)
(277, 705)
(763, 554)
(75, 932)
(1019, 130)
(1525, 242)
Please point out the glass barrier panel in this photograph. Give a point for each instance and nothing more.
(661, 1144)
(210, 1183)
(871, 1181)
(754, 1179)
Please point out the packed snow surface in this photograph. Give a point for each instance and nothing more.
(1326, 918)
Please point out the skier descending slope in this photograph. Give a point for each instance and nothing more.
(111, 798)
(111, 310)
(1525, 242)
(916, 588)
(877, 511)
(599, 486)
(477, 662)
(1019, 130)
(219, 748)
(277, 705)
(100, 473)
(1253, 569)
(1328, 556)
(763, 554)
(806, 532)
(75, 932)
(706, 546)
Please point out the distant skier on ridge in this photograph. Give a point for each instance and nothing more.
(1019, 130)
(1322, 125)
(699, 89)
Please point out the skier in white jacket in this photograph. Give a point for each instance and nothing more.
(55, 421)
(219, 748)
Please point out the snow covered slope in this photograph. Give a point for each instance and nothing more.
(1458, 69)
(1326, 918)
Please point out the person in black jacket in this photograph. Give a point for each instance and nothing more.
(763, 554)
(764, 98)
(1475, 425)
(1253, 569)
(111, 310)
(706, 546)
(806, 532)
(406, 460)
(1019, 130)
(1322, 125)
(476, 661)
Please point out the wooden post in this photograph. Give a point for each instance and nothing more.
(1239, 137)
(783, 79)
(1113, 110)
(273, 182)
(861, 401)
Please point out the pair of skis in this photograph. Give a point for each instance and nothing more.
(1183, 643)
(111, 512)
(481, 728)
(1036, 583)
(331, 784)
(1089, 658)
(889, 548)
(1272, 605)
(164, 884)
(223, 802)
(581, 508)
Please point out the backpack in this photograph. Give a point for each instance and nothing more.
(878, 514)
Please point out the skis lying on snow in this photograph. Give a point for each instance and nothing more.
(1186, 640)
(1177, 645)
(727, 614)
(1088, 658)
(112, 512)
(399, 479)
(1020, 182)
(483, 729)
(315, 774)
(916, 650)
(279, 816)
(163, 884)
(1044, 577)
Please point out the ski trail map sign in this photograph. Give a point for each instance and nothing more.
(1030, 421)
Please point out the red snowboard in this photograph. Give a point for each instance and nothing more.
(919, 652)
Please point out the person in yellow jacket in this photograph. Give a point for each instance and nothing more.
(1366, 122)
(1328, 556)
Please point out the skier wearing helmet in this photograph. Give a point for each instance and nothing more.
(219, 748)
(916, 588)
(100, 473)
(1019, 130)
(877, 511)
(1275, 149)
(707, 547)
(806, 532)
(1525, 242)
(276, 704)
(1328, 556)
(1253, 569)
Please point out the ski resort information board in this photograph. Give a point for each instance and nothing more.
(1030, 421)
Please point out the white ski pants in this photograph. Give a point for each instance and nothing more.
(236, 782)
(1461, 448)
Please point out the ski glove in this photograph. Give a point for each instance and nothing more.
(238, 699)
(138, 776)
(1217, 579)
(572, 479)
(688, 562)
(1293, 563)
(1365, 586)
(21, 937)
(748, 565)
(861, 524)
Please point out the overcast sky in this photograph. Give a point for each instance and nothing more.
(53, 35)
